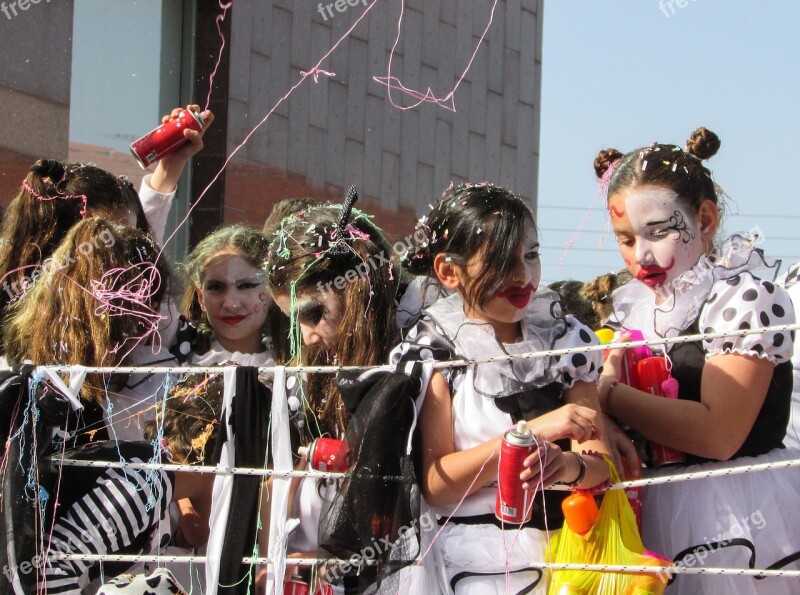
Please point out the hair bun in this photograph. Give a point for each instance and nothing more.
(703, 143)
(49, 168)
(604, 160)
(418, 261)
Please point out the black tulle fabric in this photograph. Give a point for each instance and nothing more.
(379, 498)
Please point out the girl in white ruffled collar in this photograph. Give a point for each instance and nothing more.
(481, 243)
(227, 299)
(734, 391)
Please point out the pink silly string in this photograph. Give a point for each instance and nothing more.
(448, 101)
(467, 493)
(83, 197)
(314, 68)
(139, 291)
(316, 73)
(602, 192)
(218, 20)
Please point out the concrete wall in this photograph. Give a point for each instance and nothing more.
(36, 50)
(343, 130)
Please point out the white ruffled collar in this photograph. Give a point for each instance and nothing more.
(635, 304)
(217, 354)
(542, 326)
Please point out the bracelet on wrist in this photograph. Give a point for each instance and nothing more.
(581, 470)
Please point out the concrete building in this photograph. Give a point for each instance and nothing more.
(86, 96)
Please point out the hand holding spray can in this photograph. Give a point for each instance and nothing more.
(656, 380)
(166, 139)
(514, 504)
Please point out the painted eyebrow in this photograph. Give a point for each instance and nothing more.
(652, 223)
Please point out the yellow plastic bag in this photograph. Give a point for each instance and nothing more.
(614, 539)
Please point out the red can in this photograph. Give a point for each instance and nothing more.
(513, 503)
(633, 355)
(295, 585)
(328, 454)
(653, 374)
(165, 139)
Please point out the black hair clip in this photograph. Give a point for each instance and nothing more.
(340, 247)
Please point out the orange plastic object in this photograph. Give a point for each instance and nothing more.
(580, 512)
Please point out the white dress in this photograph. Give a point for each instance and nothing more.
(792, 440)
(737, 521)
(473, 556)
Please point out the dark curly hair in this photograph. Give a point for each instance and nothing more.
(189, 420)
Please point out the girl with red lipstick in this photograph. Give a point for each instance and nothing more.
(226, 298)
(480, 241)
(734, 392)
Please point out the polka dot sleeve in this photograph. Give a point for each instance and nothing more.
(745, 302)
(585, 366)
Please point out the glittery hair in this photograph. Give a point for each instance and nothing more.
(188, 422)
(302, 259)
(471, 219)
(94, 301)
(53, 197)
(667, 166)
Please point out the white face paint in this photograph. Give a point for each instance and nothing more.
(659, 238)
(235, 299)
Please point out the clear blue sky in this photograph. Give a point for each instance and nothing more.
(619, 73)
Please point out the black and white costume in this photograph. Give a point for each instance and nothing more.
(472, 552)
(739, 520)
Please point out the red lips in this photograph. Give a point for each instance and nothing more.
(232, 319)
(654, 275)
(518, 296)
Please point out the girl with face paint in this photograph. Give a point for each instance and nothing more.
(734, 392)
(227, 298)
(333, 276)
(481, 243)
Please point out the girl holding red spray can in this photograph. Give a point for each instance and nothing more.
(521, 424)
(734, 384)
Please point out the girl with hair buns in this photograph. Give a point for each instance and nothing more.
(733, 391)
(480, 242)
(226, 298)
(95, 302)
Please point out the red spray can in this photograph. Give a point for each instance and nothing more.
(633, 355)
(165, 139)
(656, 380)
(295, 585)
(514, 504)
(328, 454)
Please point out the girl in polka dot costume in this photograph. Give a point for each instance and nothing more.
(734, 392)
(481, 243)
